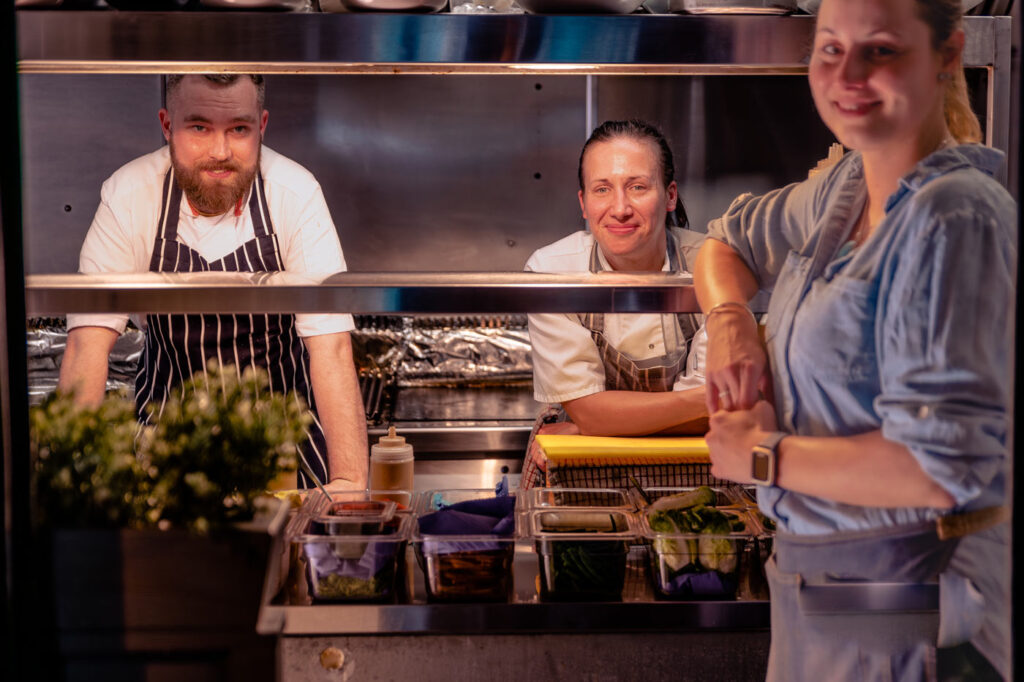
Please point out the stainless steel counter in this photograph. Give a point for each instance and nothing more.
(638, 611)
(289, 610)
(518, 618)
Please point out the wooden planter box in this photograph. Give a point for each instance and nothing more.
(153, 605)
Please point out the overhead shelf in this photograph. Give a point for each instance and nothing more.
(432, 293)
(152, 42)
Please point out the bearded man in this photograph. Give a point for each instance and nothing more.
(216, 199)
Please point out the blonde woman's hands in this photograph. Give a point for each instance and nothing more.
(736, 369)
(732, 436)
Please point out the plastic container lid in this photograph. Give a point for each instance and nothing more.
(391, 448)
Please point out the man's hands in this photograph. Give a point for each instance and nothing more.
(340, 485)
(84, 366)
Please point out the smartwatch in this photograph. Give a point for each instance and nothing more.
(763, 459)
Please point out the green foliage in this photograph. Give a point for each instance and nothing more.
(86, 472)
(221, 439)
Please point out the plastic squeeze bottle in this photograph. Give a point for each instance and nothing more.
(391, 466)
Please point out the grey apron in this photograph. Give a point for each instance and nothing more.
(865, 605)
(622, 373)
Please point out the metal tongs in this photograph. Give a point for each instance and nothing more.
(633, 482)
(316, 479)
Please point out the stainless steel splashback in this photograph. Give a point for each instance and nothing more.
(427, 173)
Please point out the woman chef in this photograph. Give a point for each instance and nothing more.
(619, 374)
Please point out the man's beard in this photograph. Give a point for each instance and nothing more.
(210, 196)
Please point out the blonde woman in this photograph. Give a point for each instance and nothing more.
(888, 355)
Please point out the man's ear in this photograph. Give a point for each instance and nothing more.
(583, 207)
(264, 117)
(165, 123)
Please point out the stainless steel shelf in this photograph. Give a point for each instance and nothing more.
(436, 293)
(151, 42)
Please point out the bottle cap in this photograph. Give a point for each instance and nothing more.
(391, 447)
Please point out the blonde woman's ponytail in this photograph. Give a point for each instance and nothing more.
(961, 120)
(944, 17)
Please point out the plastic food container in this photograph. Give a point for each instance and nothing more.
(354, 517)
(747, 495)
(404, 501)
(698, 565)
(464, 567)
(354, 567)
(604, 498)
(722, 497)
(582, 552)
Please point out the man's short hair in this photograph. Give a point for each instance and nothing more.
(174, 80)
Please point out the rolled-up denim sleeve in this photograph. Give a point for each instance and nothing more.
(763, 230)
(946, 349)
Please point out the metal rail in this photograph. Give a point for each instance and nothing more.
(151, 42)
(440, 293)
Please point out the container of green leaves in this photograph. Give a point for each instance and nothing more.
(582, 552)
(698, 538)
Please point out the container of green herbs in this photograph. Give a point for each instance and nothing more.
(582, 553)
(354, 567)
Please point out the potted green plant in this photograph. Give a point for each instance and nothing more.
(159, 533)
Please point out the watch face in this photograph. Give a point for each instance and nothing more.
(761, 464)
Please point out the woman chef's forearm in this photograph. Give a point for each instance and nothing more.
(339, 407)
(634, 413)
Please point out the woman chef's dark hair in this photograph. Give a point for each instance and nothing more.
(640, 130)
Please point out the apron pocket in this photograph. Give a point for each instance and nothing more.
(962, 609)
(848, 646)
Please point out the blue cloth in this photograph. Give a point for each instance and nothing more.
(910, 333)
(701, 584)
(486, 516)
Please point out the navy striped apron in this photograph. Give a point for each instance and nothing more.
(178, 346)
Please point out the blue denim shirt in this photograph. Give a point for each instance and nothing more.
(910, 333)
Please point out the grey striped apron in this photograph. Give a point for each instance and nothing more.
(622, 373)
(178, 346)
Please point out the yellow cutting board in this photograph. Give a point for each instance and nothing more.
(565, 450)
